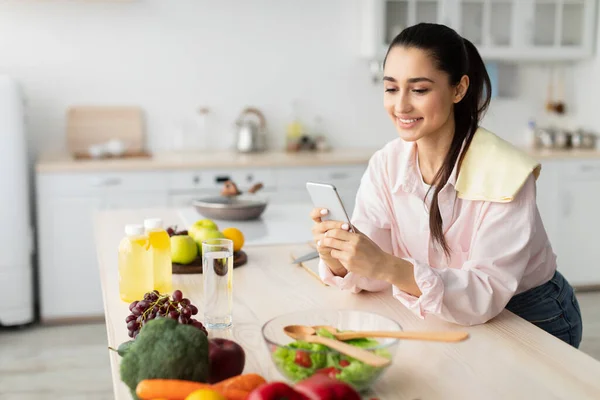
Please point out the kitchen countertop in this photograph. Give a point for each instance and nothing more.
(62, 162)
(505, 358)
(547, 154)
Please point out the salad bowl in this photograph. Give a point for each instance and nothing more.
(298, 359)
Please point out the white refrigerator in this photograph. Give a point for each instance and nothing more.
(16, 236)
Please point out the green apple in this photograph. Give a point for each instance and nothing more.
(206, 234)
(183, 249)
(202, 224)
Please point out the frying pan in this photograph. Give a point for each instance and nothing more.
(232, 208)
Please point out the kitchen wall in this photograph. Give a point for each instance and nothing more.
(173, 57)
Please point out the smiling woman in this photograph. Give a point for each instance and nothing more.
(444, 114)
(446, 214)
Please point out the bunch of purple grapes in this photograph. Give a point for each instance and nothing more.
(156, 305)
(172, 231)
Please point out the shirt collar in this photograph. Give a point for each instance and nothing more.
(407, 168)
(409, 176)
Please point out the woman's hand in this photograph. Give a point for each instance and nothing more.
(345, 251)
(356, 252)
(319, 229)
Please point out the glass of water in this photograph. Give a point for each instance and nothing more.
(217, 268)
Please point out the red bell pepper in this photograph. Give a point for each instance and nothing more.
(317, 387)
(321, 387)
(276, 391)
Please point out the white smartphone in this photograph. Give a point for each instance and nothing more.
(325, 195)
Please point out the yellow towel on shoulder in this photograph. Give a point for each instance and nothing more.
(493, 169)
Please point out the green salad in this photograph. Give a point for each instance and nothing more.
(299, 364)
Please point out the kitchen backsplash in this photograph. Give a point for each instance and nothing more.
(172, 60)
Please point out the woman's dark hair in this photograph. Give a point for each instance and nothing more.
(456, 56)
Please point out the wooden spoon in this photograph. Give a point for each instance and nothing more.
(451, 336)
(307, 334)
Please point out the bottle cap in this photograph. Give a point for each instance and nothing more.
(134, 229)
(153, 223)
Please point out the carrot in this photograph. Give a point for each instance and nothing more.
(234, 394)
(246, 382)
(171, 389)
(234, 388)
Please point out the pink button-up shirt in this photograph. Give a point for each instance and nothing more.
(497, 249)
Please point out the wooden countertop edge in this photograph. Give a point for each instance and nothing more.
(48, 163)
(170, 161)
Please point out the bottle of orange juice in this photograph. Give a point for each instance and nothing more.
(160, 249)
(135, 269)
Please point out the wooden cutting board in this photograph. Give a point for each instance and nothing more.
(195, 267)
(89, 125)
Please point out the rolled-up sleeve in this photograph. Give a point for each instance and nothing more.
(371, 217)
(501, 250)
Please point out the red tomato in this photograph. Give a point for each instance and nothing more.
(330, 372)
(303, 359)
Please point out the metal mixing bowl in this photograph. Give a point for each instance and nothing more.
(238, 208)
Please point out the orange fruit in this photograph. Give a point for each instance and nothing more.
(236, 236)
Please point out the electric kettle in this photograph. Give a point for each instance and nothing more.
(250, 131)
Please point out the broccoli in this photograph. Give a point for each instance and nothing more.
(166, 349)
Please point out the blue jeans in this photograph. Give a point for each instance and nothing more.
(552, 307)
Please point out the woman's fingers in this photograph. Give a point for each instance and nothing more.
(334, 243)
(341, 234)
(330, 225)
(339, 255)
(321, 228)
(317, 213)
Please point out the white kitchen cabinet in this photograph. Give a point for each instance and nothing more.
(507, 30)
(69, 280)
(185, 199)
(280, 185)
(579, 217)
(548, 197)
(567, 198)
(295, 196)
(188, 185)
(213, 179)
(68, 268)
(150, 199)
(292, 182)
(578, 249)
(347, 176)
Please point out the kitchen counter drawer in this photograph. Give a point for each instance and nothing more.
(100, 183)
(581, 169)
(214, 179)
(341, 177)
